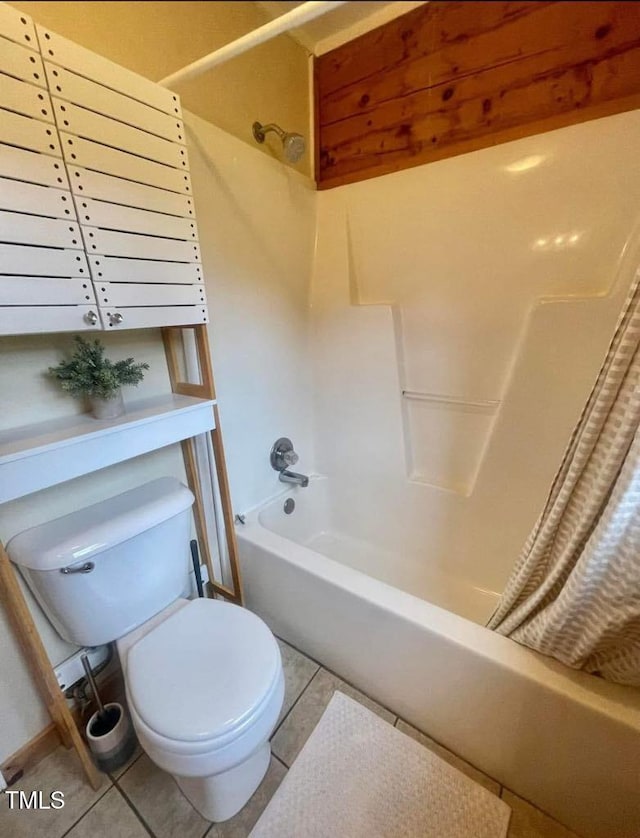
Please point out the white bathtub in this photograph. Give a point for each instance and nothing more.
(567, 741)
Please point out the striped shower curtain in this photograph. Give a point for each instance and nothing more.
(574, 593)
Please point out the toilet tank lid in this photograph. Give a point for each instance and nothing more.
(87, 532)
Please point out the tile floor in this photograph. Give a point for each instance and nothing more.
(140, 800)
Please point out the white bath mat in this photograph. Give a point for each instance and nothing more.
(359, 777)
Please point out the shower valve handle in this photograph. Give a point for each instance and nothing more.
(282, 454)
(290, 458)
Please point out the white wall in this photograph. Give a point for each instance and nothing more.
(490, 277)
(257, 228)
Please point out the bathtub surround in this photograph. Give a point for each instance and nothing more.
(574, 591)
(489, 285)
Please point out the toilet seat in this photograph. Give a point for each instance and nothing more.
(203, 676)
(202, 759)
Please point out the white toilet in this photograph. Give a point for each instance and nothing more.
(203, 677)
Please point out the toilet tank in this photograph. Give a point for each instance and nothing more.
(100, 572)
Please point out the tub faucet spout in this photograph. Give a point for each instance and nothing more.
(287, 476)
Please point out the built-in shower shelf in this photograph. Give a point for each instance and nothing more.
(453, 402)
(38, 456)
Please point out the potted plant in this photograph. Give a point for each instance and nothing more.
(89, 374)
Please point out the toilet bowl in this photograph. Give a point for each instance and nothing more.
(205, 688)
(203, 677)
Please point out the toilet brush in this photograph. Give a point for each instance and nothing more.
(109, 732)
(103, 715)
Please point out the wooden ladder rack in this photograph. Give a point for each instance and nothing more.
(13, 598)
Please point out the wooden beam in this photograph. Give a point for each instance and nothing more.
(451, 77)
(35, 654)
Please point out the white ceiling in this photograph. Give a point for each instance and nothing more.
(339, 26)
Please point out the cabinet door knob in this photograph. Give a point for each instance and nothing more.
(91, 317)
(116, 318)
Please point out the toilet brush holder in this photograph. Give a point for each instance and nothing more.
(111, 737)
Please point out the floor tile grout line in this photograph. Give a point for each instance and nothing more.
(89, 808)
(344, 680)
(335, 675)
(115, 779)
(287, 716)
(288, 713)
(133, 808)
(361, 692)
(299, 651)
(281, 761)
(315, 675)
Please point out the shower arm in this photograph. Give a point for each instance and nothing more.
(259, 131)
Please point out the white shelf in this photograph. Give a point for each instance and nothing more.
(42, 455)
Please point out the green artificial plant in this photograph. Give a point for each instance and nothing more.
(89, 373)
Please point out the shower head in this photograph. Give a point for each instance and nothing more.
(293, 144)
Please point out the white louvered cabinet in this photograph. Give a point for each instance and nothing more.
(45, 283)
(123, 142)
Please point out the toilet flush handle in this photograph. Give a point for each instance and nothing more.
(87, 567)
